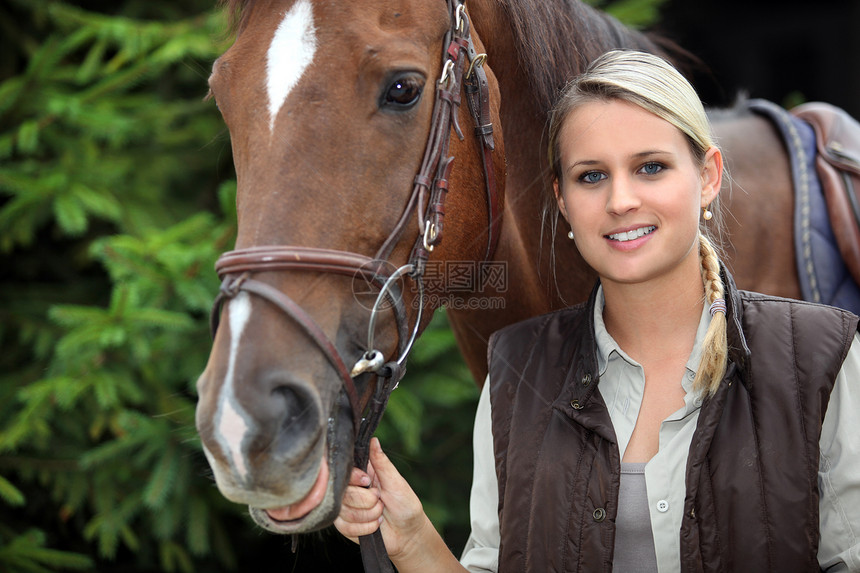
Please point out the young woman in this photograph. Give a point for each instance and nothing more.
(670, 423)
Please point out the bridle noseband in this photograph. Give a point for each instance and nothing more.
(430, 188)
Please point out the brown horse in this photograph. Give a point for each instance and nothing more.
(329, 105)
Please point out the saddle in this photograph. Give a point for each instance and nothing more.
(837, 164)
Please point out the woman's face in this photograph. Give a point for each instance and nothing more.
(632, 191)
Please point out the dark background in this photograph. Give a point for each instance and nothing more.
(777, 50)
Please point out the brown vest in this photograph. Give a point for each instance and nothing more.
(752, 493)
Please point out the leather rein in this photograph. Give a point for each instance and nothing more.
(462, 68)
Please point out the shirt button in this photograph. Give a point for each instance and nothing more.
(599, 514)
(662, 506)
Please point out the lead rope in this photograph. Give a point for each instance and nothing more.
(374, 557)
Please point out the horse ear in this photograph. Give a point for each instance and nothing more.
(712, 174)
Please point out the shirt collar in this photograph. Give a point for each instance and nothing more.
(606, 345)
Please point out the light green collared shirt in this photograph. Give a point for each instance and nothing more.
(622, 383)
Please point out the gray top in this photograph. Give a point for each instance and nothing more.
(634, 543)
(622, 382)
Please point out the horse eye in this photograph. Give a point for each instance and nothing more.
(404, 92)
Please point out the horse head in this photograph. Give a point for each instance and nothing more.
(329, 105)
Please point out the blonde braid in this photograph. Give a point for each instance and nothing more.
(715, 347)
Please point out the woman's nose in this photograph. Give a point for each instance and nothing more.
(622, 196)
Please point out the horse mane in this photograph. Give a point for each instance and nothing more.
(557, 39)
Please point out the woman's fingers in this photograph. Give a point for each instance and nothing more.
(362, 515)
(360, 498)
(361, 508)
(381, 469)
(394, 489)
(360, 512)
(359, 478)
(353, 531)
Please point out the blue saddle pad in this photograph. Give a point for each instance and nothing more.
(823, 276)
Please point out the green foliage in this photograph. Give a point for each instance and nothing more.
(110, 223)
(116, 197)
(27, 552)
(637, 14)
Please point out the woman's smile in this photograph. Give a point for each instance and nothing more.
(630, 240)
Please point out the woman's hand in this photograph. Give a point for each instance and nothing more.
(388, 503)
(381, 499)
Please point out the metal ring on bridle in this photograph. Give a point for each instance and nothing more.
(371, 326)
(420, 282)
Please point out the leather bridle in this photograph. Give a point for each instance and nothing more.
(461, 67)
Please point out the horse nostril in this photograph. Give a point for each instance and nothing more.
(297, 419)
(299, 408)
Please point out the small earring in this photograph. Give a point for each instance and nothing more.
(706, 214)
(570, 234)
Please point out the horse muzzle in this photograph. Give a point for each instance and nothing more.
(277, 451)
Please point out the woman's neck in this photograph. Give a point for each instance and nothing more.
(656, 319)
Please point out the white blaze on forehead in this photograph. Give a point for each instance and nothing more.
(290, 53)
(231, 421)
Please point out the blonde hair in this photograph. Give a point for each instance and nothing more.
(712, 364)
(653, 84)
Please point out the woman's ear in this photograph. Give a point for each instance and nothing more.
(559, 199)
(712, 175)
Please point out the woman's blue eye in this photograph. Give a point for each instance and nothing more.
(592, 177)
(652, 168)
